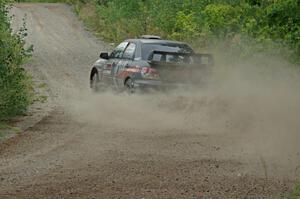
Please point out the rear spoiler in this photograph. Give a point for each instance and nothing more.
(167, 53)
(209, 58)
(200, 58)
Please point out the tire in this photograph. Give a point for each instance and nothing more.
(95, 83)
(129, 86)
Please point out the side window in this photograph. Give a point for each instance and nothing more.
(118, 52)
(129, 52)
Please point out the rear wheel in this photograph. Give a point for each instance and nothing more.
(129, 86)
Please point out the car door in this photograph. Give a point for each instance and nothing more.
(122, 71)
(110, 66)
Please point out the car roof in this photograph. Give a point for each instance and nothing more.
(154, 41)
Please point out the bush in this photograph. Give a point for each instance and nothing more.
(15, 84)
(208, 22)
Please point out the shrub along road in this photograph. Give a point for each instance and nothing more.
(96, 147)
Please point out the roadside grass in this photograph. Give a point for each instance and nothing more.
(4, 127)
(42, 85)
(295, 194)
(44, 1)
(39, 1)
(41, 98)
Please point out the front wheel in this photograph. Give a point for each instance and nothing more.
(95, 83)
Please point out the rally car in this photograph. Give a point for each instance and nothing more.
(149, 63)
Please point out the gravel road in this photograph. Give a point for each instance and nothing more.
(119, 146)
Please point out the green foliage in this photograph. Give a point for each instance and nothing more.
(221, 20)
(283, 22)
(15, 84)
(244, 27)
(295, 194)
(186, 26)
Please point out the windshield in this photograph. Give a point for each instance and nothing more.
(148, 48)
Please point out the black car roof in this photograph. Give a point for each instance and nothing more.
(154, 41)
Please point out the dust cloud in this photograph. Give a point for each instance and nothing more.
(264, 107)
(255, 105)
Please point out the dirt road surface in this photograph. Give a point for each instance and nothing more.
(119, 146)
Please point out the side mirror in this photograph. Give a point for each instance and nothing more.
(104, 55)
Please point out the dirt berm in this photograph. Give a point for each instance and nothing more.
(180, 145)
